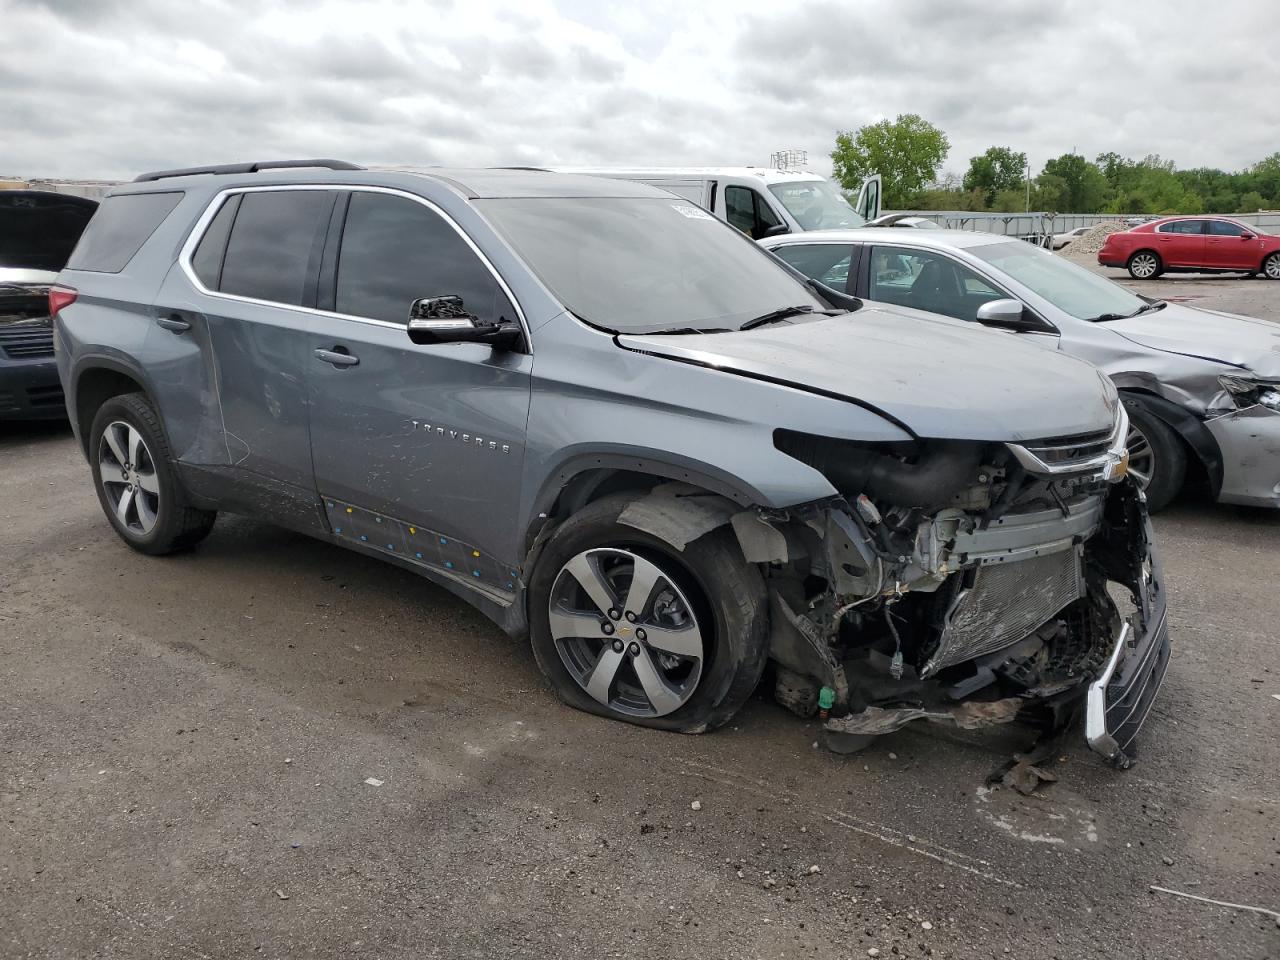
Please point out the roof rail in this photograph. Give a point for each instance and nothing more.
(254, 167)
(533, 169)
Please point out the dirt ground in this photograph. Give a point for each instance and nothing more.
(185, 744)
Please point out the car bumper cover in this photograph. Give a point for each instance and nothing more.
(1250, 444)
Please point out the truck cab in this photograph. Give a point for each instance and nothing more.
(759, 201)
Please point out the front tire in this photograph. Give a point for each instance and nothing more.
(136, 482)
(1145, 265)
(625, 626)
(1157, 458)
(1271, 267)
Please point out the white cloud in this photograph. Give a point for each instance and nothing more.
(96, 89)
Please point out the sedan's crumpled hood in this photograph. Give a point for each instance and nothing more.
(1221, 337)
(942, 378)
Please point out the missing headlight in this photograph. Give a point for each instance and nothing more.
(1248, 393)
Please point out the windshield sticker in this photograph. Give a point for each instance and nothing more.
(690, 211)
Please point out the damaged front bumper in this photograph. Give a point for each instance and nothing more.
(1250, 443)
(1120, 699)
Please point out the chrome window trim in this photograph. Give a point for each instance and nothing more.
(215, 204)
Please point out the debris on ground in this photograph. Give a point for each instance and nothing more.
(282, 895)
(696, 805)
(1026, 777)
(374, 782)
(815, 869)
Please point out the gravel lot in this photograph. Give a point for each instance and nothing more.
(184, 745)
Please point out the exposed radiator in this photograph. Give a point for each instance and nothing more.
(1006, 602)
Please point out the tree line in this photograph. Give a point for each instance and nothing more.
(909, 153)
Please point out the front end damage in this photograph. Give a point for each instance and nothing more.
(966, 583)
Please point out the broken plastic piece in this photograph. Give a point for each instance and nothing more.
(374, 782)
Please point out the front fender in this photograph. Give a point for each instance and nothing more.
(1190, 428)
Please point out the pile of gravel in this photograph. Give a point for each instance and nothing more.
(1090, 243)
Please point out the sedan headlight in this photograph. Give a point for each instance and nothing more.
(1248, 393)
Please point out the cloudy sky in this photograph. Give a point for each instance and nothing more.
(94, 88)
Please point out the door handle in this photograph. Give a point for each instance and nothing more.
(338, 356)
(174, 323)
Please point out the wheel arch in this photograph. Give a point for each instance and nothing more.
(1189, 428)
(585, 478)
(95, 381)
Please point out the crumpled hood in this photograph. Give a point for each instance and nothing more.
(942, 378)
(1208, 334)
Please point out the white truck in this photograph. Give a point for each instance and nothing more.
(759, 201)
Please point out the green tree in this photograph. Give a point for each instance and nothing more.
(1000, 168)
(1086, 185)
(1249, 202)
(907, 152)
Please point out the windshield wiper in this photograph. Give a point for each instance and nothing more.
(681, 331)
(1145, 308)
(775, 315)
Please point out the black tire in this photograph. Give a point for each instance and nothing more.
(1137, 265)
(176, 525)
(1271, 267)
(728, 595)
(1168, 467)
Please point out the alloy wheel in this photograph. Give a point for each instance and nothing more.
(1144, 265)
(1142, 458)
(1272, 267)
(127, 472)
(626, 632)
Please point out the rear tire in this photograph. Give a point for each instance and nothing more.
(1145, 265)
(1271, 267)
(136, 482)
(1157, 458)
(716, 599)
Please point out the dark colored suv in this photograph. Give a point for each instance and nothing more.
(619, 427)
(38, 230)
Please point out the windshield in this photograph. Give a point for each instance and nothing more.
(640, 265)
(816, 205)
(1071, 288)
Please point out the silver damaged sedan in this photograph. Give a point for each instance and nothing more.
(1202, 388)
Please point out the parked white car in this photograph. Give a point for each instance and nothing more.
(1060, 240)
(759, 201)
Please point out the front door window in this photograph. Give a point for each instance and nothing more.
(925, 280)
(749, 212)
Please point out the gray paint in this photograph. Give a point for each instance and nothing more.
(1176, 353)
(244, 399)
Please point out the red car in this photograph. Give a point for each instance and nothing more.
(1192, 244)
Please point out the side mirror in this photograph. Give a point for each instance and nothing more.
(1006, 314)
(446, 320)
(777, 230)
(1247, 236)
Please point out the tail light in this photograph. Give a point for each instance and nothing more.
(60, 297)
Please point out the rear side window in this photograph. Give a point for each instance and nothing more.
(207, 260)
(395, 251)
(275, 244)
(828, 263)
(1183, 226)
(119, 229)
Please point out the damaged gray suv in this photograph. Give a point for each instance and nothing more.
(621, 429)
